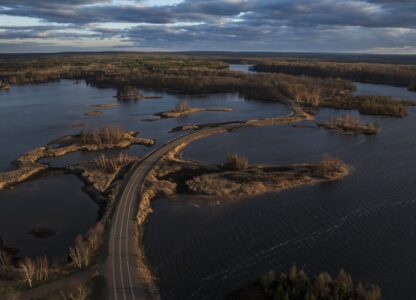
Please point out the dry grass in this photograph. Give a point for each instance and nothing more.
(235, 162)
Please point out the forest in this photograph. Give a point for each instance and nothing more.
(391, 74)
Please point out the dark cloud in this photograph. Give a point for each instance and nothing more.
(273, 25)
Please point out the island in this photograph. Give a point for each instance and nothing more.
(350, 124)
(182, 109)
(103, 138)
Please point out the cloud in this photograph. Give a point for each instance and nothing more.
(272, 25)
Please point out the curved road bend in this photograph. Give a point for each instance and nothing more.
(123, 280)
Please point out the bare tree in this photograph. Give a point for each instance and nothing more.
(42, 268)
(28, 268)
(94, 236)
(76, 252)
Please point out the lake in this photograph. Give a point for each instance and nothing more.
(365, 223)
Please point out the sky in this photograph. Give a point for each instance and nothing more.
(349, 26)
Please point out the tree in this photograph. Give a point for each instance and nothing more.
(28, 268)
(42, 268)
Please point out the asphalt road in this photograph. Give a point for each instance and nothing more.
(124, 282)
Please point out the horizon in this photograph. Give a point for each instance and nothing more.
(300, 26)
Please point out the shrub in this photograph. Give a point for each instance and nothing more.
(235, 162)
(182, 106)
(296, 284)
(104, 135)
(128, 93)
(329, 167)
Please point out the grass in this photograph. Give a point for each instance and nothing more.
(235, 162)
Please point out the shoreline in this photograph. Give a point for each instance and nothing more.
(27, 165)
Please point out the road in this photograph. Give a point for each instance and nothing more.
(123, 280)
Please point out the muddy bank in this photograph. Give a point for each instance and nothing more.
(177, 114)
(93, 113)
(254, 122)
(107, 105)
(27, 165)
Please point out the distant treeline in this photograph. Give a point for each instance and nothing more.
(126, 72)
(177, 73)
(398, 75)
(297, 284)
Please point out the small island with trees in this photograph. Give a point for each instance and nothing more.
(349, 124)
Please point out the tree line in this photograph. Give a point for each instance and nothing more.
(298, 285)
(398, 75)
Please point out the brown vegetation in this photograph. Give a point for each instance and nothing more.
(182, 108)
(330, 167)
(235, 162)
(111, 164)
(347, 123)
(102, 138)
(183, 74)
(76, 291)
(103, 135)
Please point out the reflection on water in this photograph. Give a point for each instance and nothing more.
(55, 202)
(364, 223)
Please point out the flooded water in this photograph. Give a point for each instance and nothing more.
(37, 114)
(245, 68)
(55, 202)
(365, 223)
(386, 90)
(34, 115)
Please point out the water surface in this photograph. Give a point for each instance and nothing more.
(364, 223)
(55, 202)
(36, 114)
